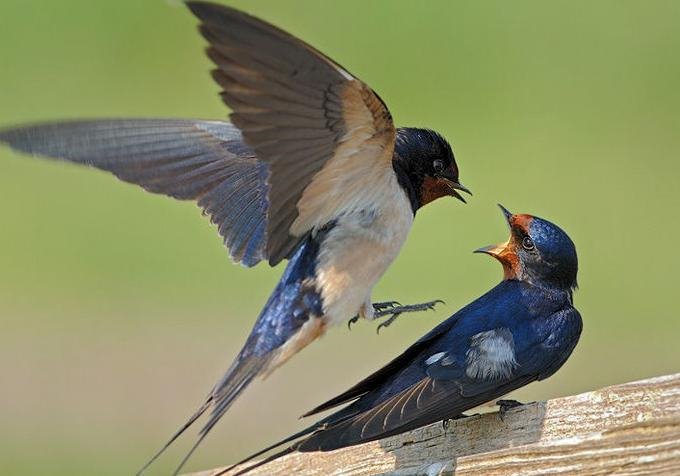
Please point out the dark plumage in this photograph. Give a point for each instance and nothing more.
(425, 166)
(522, 330)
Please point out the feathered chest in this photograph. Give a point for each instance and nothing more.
(359, 248)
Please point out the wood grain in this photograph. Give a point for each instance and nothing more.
(628, 429)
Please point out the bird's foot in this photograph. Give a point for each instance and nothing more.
(505, 405)
(394, 310)
(378, 307)
(381, 306)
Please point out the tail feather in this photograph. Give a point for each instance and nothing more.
(288, 439)
(267, 460)
(287, 324)
(241, 373)
(179, 432)
(189, 453)
(300, 436)
(230, 387)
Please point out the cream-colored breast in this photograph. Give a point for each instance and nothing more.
(359, 249)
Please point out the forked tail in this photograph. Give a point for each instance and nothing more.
(241, 373)
(290, 320)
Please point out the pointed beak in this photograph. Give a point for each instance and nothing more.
(497, 250)
(506, 213)
(453, 186)
(506, 252)
(493, 250)
(461, 187)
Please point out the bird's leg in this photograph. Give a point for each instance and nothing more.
(381, 306)
(389, 308)
(394, 311)
(368, 310)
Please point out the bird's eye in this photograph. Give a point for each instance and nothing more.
(528, 244)
(438, 165)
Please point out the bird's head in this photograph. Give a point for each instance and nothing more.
(425, 160)
(537, 251)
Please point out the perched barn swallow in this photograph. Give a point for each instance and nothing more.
(522, 330)
(312, 170)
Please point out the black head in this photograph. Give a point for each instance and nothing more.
(425, 165)
(537, 251)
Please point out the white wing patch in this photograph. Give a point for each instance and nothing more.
(491, 355)
(435, 358)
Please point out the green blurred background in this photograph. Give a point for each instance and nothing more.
(119, 309)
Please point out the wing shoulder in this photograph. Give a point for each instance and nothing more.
(324, 133)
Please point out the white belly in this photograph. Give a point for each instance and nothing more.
(358, 251)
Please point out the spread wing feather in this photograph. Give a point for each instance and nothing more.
(327, 138)
(205, 161)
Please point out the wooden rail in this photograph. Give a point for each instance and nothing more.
(627, 429)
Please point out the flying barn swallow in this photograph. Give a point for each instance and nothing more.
(312, 170)
(522, 330)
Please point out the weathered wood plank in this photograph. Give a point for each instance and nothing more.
(627, 429)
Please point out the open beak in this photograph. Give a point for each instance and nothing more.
(454, 186)
(506, 213)
(493, 250)
(497, 250)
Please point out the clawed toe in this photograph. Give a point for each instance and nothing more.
(447, 423)
(387, 322)
(394, 309)
(380, 306)
(505, 405)
(399, 309)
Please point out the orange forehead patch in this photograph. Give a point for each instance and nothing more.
(522, 221)
(432, 189)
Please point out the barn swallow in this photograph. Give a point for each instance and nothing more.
(522, 330)
(311, 169)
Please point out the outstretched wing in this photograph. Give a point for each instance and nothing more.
(327, 137)
(205, 161)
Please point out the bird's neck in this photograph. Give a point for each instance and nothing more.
(547, 289)
(407, 181)
(553, 283)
